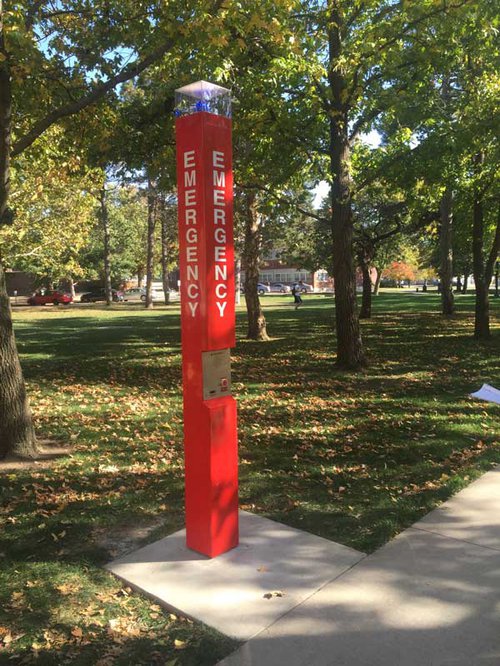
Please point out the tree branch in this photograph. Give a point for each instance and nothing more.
(94, 95)
(413, 24)
(87, 100)
(385, 164)
(390, 42)
(262, 188)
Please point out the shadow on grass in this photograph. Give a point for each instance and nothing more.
(353, 458)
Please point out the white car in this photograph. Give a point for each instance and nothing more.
(133, 294)
(157, 293)
(280, 288)
(139, 294)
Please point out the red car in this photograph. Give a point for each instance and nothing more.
(55, 297)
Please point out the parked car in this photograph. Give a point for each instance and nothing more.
(157, 293)
(43, 297)
(174, 295)
(263, 288)
(306, 288)
(133, 294)
(280, 288)
(100, 295)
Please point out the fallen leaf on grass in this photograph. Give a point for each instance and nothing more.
(17, 599)
(77, 632)
(122, 628)
(68, 588)
(108, 468)
(179, 645)
(32, 583)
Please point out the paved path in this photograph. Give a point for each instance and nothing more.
(430, 597)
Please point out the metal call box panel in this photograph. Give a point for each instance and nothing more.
(216, 373)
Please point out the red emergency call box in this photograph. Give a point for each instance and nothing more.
(207, 287)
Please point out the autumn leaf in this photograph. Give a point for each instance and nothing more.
(68, 588)
(5, 635)
(17, 599)
(77, 632)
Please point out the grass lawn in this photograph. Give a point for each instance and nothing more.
(353, 458)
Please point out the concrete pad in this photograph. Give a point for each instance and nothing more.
(421, 600)
(472, 515)
(229, 591)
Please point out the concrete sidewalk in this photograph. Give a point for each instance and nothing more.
(430, 597)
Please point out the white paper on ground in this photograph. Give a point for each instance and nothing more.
(487, 392)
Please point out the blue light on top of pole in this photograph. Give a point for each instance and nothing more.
(202, 96)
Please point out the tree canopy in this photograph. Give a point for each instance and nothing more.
(87, 89)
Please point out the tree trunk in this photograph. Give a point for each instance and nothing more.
(376, 286)
(366, 301)
(164, 249)
(140, 277)
(365, 258)
(107, 249)
(483, 271)
(17, 435)
(257, 329)
(466, 283)
(5, 128)
(482, 308)
(350, 354)
(151, 243)
(446, 252)
(238, 281)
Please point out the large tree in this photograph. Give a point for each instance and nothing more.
(371, 54)
(56, 61)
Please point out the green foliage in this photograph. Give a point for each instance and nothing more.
(54, 211)
(127, 213)
(434, 133)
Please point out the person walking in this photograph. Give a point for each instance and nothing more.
(296, 293)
